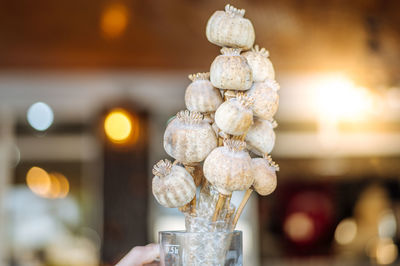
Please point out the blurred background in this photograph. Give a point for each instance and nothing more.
(75, 191)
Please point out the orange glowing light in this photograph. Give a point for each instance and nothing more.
(55, 187)
(52, 186)
(299, 227)
(114, 20)
(62, 183)
(38, 181)
(121, 127)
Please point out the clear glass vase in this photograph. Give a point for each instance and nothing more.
(204, 248)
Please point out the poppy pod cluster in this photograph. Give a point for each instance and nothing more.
(229, 167)
(260, 138)
(222, 142)
(229, 28)
(201, 95)
(266, 98)
(264, 173)
(172, 185)
(235, 116)
(261, 66)
(230, 71)
(189, 138)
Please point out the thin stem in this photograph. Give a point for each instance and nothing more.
(243, 137)
(220, 141)
(189, 207)
(227, 206)
(228, 201)
(218, 207)
(228, 216)
(241, 207)
(184, 208)
(192, 204)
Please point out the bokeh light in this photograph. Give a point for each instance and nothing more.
(118, 126)
(43, 184)
(386, 251)
(337, 97)
(387, 226)
(40, 116)
(299, 227)
(114, 20)
(346, 231)
(38, 181)
(55, 187)
(62, 185)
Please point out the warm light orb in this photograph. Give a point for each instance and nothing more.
(62, 187)
(55, 187)
(43, 184)
(299, 227)
(40, 116)
(386, 251)
(346, 231)
(337, 97)
(114, 20)
(38, 181)
(118, 125)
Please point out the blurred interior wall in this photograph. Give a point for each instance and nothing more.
(6, 145)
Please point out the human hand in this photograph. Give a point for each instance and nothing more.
(139, 255)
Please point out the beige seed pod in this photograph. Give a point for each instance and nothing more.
(229, 28)
(260, 138)
(201, 95)
(228, 167)
(235, 116)
(261, 66)
(189, 138)
(172, 185)
(266, 98)
(230, 71)
(264, 172)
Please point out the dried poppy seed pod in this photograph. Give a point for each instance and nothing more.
(230, 71)
(261, 66)
(266, 98)
(229, 28)
(228, 167)
(201, 95)
(260, 138)
(235, 116)
(172, 185)
(189, 138)
(264, 172)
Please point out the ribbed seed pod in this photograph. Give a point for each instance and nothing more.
(266, 98)
(201, 95)
(172, 185)
(260, 138)
(261, 66)
(235, 116)
(189, 138)
(229, 28)
(264, 172)
(228, 167)
(230, 71)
